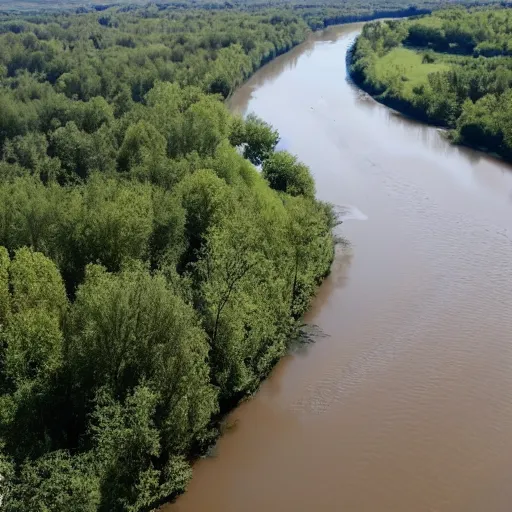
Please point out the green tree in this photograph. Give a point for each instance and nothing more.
(257, 138)
(149, 275)
(58, 482)
(30, 152)
(127, 443)
(206, 123)
(74, 149)
(93, 114)
(131, 326)
(36, 284)
(309, 234)
(115, 224)
(285, 174)
(142, 146)
(206, 200)
(31, 353)
(33, 346)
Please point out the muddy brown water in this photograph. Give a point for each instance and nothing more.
(406, 404)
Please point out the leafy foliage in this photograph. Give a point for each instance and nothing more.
(258, 138)
(56, 481)
(285, 174)
(149, 275)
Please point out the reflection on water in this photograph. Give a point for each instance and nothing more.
(406, 405)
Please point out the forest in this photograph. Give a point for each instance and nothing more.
(452, 68)
(156, 252)
(337, 7)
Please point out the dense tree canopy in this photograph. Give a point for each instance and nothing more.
(150, 274)
(453, 68)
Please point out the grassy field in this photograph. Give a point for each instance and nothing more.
(407, 64)
(430, 21)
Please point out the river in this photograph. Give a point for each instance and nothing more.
(404, 404)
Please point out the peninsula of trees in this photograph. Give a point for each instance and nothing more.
(452, 68)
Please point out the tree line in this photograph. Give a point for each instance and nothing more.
(150, 275)
(473, 96)
(347, 7)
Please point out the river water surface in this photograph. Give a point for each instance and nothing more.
(406, 404)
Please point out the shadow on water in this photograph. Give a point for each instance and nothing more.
(335, 281)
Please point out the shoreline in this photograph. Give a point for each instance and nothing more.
(407, 109)
(401, 106)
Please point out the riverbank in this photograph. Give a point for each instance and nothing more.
(409, 110)
(401, 105)
(423, 69)
(379, 92)
(329, 23)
